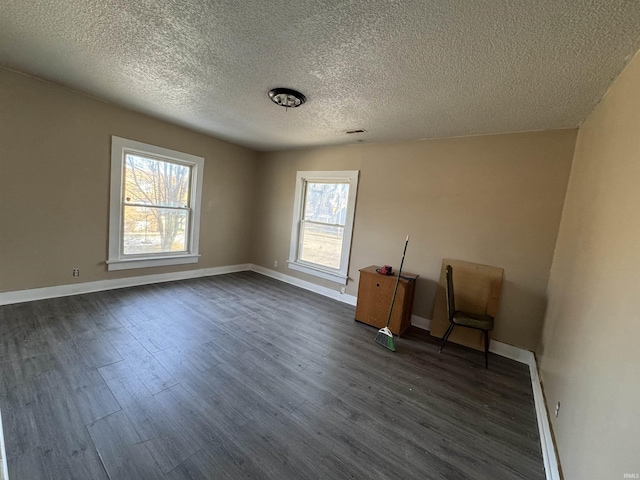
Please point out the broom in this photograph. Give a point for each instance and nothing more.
(384, 336)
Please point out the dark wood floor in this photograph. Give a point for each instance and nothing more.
(241, 376)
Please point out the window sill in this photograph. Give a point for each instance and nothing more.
(145, 262)
(319, 272)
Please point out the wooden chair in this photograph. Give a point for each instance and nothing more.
(465, 319)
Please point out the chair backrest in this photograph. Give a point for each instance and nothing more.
(451, 302)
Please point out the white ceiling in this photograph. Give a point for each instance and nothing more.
(399, 69)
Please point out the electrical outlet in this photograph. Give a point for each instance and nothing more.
(557, 408)
(76, 272)
(275, 264)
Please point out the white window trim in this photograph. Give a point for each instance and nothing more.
(117, 260)
(335, 275)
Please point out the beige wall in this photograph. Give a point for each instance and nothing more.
(494, 200)
(54, 185)
(590, 358)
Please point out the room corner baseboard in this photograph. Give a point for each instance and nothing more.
(421, 322)
(549, 458)
(20, 296)
(551, 466)
(521, 355)
(312, 287)
(509, 351)
(503, 349)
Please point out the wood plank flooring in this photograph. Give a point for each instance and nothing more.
(242, 376)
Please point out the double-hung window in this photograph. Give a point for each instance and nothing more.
(323, 216)
(154, 207)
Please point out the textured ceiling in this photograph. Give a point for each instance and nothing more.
(399, 69)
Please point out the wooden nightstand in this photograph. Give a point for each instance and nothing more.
(374, 299)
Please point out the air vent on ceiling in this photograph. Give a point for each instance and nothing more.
(349, 132)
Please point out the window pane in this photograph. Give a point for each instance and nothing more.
(326, 202)
(154, 230)
(154, 182)
(321, 244)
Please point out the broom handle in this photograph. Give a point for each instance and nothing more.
(395, 290)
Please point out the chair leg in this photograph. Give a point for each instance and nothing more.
(446, 336)
(486, 348)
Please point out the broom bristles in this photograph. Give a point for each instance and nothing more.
(385, 338)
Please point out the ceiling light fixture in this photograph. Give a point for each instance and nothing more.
(285, 97)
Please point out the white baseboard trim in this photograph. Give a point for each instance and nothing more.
(4, 471)
(551, 466)
(312, 287)
(421, 322)
(499, 348)
(509, 351)
(521, 355)
(503, 349)
(19, 296)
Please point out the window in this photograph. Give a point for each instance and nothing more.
(155, 206)
(323, 215)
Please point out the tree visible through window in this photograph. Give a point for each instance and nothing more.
(156, 205)
(154, 214)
